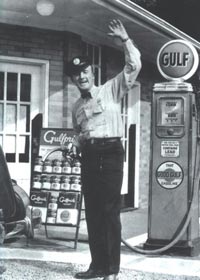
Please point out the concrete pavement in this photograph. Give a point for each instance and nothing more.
(134, 230)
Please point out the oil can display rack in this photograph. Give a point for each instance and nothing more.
(58, 200)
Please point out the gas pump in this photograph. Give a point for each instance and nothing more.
(173, 216)
(174, 166)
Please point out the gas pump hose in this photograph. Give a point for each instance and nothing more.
(187, 219)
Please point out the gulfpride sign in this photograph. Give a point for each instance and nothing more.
(177, 59)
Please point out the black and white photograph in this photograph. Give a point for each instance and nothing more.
(99, 139)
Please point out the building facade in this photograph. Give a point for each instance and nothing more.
(33, 55)
(33, 82)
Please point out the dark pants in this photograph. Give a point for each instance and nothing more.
(102, 174)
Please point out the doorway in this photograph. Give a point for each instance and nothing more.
(130, 112)
(22, 97)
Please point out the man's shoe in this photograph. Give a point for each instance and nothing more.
(111, 277)
(89, 274)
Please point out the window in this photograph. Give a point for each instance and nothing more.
(15, 102)
(94, 52)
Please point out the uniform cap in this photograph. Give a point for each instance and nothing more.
(77, 64)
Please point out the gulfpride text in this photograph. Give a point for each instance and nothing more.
(50, 138)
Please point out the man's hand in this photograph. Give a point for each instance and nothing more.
(118, 30)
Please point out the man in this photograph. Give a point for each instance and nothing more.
(97, 119)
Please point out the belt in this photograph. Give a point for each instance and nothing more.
(103, 140)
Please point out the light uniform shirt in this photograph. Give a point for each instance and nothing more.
(100, 116)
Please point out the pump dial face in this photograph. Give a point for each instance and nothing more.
(171, 111)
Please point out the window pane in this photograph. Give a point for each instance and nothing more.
(11, 115)
(10, 148)
(24, 149)
(1, 117)
(25, 91)
(1, 85)
(12, 86)
(24, 122)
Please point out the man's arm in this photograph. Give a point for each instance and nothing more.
(126, 79)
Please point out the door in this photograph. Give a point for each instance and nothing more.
(130, 112)
(20, 102)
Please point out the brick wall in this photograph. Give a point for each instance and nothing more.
(148, 76)
(144, 153)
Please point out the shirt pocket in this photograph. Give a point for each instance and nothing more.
(99, 107)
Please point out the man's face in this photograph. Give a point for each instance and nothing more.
(84, 80)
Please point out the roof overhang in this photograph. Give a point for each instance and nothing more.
(90, 18)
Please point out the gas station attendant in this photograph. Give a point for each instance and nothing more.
(96, 118)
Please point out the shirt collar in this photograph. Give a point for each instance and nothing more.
(93, 91)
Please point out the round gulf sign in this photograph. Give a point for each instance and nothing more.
(169, 175)
(177, 59)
